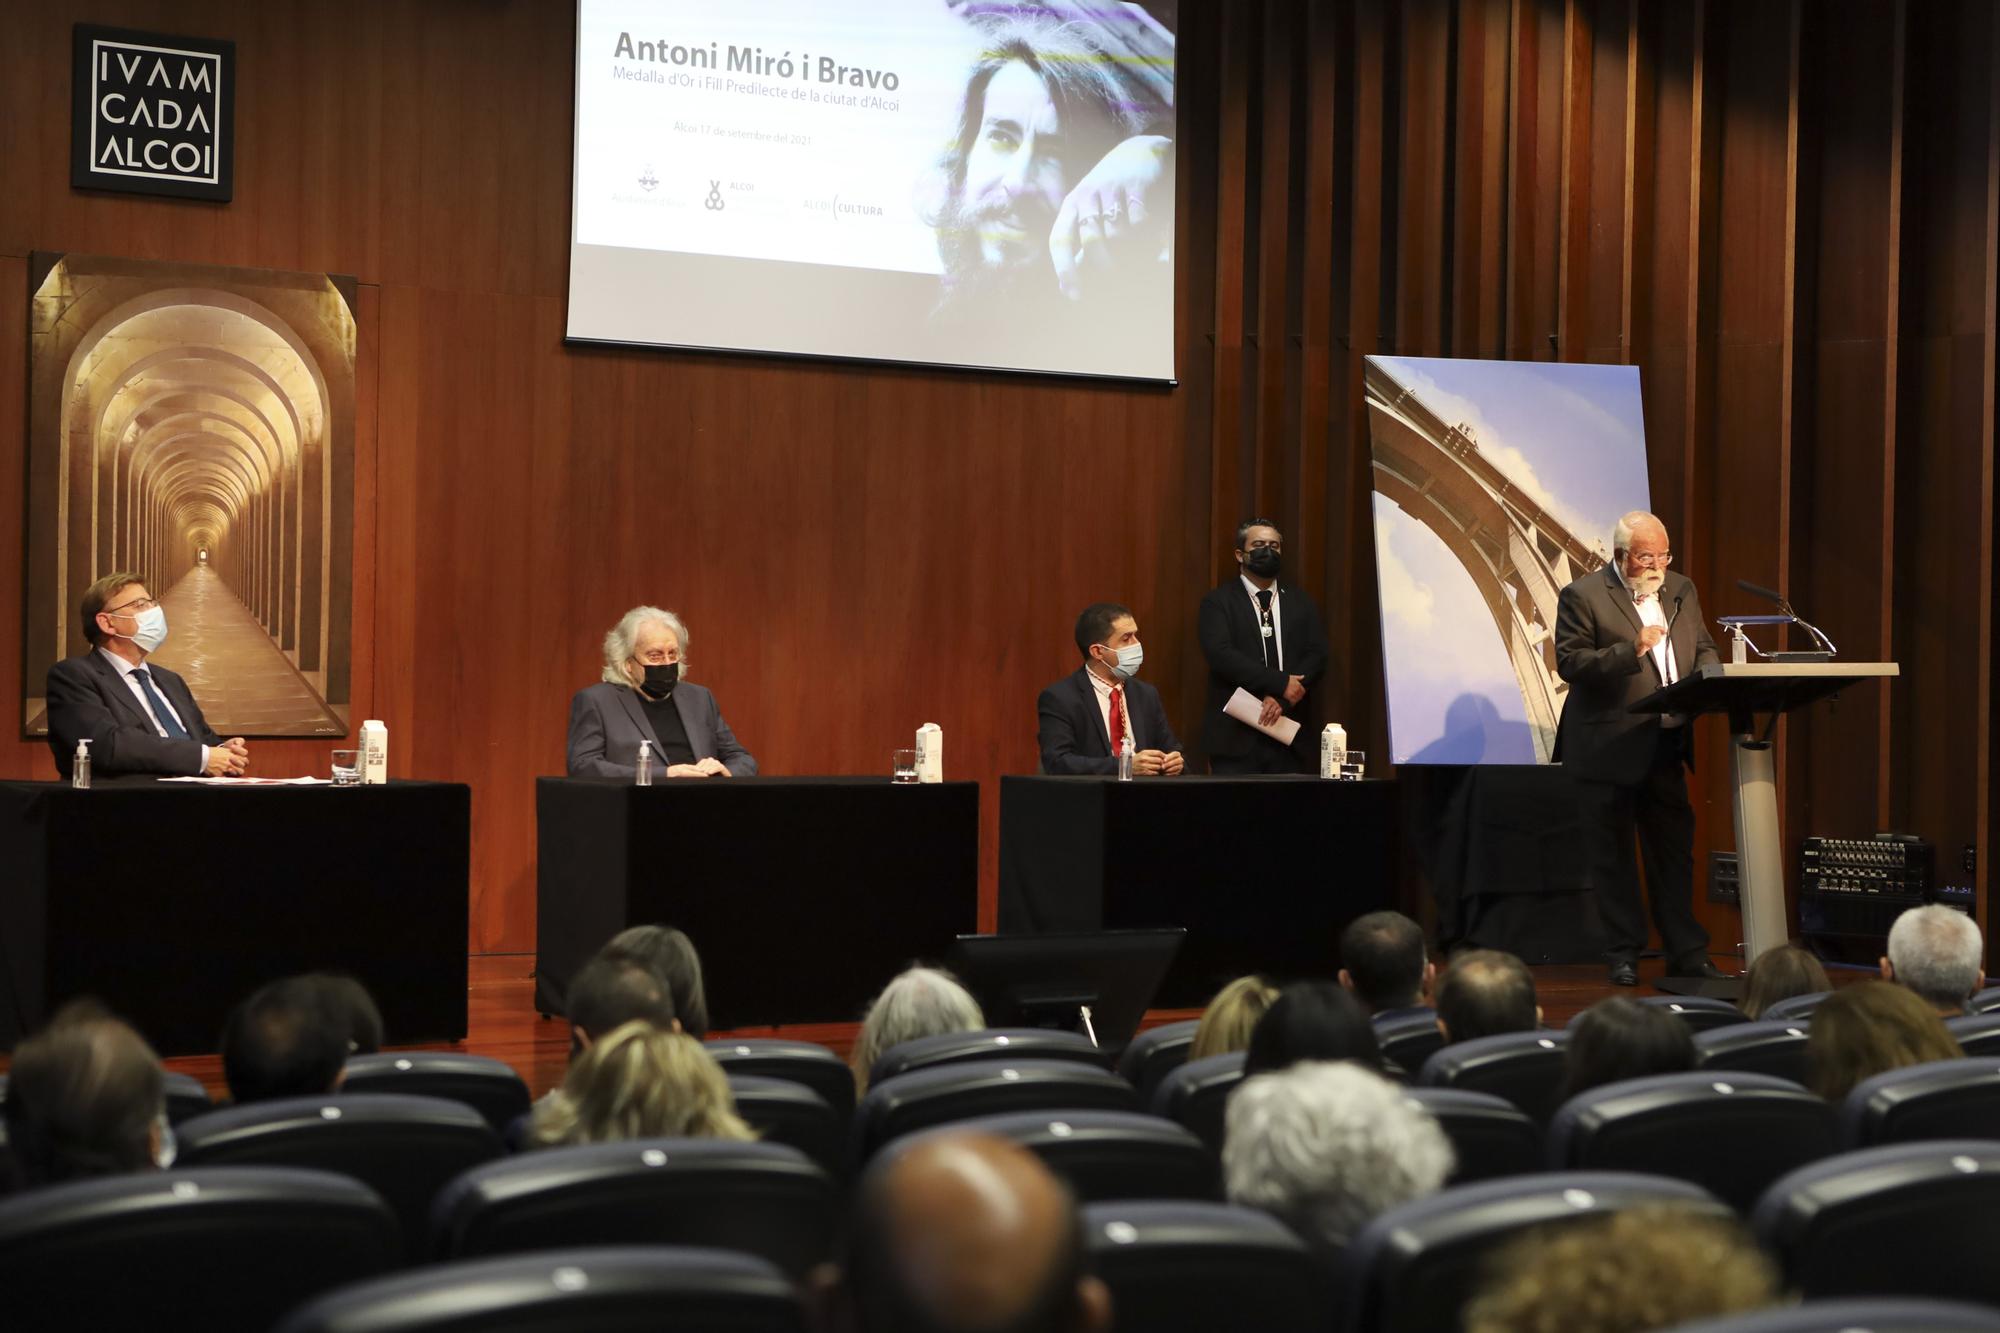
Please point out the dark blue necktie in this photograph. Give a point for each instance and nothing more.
(175, 731)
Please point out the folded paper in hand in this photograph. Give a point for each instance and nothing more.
(1247, 708)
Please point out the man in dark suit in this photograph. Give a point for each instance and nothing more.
(644, 697)
(1268, 640)
(138, 719)
(1621, 634)
(1080, 713)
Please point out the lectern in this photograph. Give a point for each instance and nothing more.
(1743, 692)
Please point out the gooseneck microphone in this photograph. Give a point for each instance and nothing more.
(1759, 590)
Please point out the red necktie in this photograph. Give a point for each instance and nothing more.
(1117, 717)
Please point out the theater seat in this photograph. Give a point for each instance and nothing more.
(1910, 1219)
(802, 1062)
(1945, 1099)
(1701, 1013)
(1774, 1048)
(1490, 1136)
(1184, 1265)
(1413, 1268)
(1730, 1132)
(1797, 1009)
(1156, 1053)
(229, 1247)
(1409, 1036)
(950, 1048)
(490, 1087)
(1526, 1068)
(948, 1093)
(759, 1198)
(1984, 1002)
(1104, 1155)
(613, 1290)
(1197, 1094)
(1905, 1315)
(186, 1097)
(1976, 1034)
(782, 1111)
(404, 1148)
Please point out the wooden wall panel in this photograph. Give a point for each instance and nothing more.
(1783, 213)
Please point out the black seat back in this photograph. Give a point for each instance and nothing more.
(802, 1062)
(235, 1246)
(1526, 1068)
(787, 1112)
(1490, 1136)
(1154, 1054)
(950, 1048)
(1776, 1048)
(186, 1097)
(1797, 1009)
(1945, 1099)
(1408, 1036)
(952, 1092)
(1197, 1094)
(1984, 1002)
(1701, 1013)
(1191, 1266)
(490, 1087)
(1104, 1155)
(1976, 1034)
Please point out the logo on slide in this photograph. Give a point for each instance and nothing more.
(714, 202)
(647, 180)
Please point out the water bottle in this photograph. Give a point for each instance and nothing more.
(1332, 749)
(645, 778)
(1124, 759)
(79, 769)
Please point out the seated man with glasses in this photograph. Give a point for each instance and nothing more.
(138, 719)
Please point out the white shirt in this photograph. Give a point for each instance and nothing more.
(125, 670)
(1652, 613)
(1104, 688)
(1277, 620)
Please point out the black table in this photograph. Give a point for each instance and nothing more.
(804, 895)
(172, 901)
(1264, 872)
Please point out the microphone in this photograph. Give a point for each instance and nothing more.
(1759, 590)
(1677, 610)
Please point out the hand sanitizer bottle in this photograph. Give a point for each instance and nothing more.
(1124, 759)
(79, 769)
(645, 778)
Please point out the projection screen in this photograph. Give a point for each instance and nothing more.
(938, 181)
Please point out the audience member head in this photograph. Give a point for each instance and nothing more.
(965, 1233)
(639, 1081)
(1311, 1020)
(1325, 1146)
(1620, 1038)
(671, 956)
(1780, 973)
(1869, 1028)
(611, 992)
(920, 1002)
(1231, 1016)
(1486, 992)
(287, 1040)
(1630, 1272)
(1382, 961)
(85, 1098)
(351, 999)
(1937, 953)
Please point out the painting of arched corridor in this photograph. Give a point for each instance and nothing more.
(195, 426)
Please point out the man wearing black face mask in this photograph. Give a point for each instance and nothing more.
(1266, 639)
(643, 698)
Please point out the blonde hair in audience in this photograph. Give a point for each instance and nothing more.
(1231, 1016)
(1780, 973)
(1869, 1028)
(1641, 1269)
(920, 1002)
(640, 1083)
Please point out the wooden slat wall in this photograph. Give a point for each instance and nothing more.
(1783, 212)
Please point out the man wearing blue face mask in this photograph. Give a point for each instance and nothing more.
(1102, 700)
(137, 718)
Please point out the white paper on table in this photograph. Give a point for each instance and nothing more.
(1247, 708)
(254, 782)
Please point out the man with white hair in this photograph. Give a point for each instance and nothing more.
(1622, 633)
(645, 696)
(918, 1002)
(1937, 953)
(1324, 1146)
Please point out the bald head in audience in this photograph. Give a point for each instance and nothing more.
(1484, 993)
(965, 1233)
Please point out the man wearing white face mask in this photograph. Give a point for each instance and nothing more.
(137, 718)
(1102, 700)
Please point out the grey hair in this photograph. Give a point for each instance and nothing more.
(1936, 952)
(1621, 532)
(622, 641)
(1325, 1146)
(921, 1002)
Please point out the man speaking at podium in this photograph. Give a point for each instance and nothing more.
(1622, 633)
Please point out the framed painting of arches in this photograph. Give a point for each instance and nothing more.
(1496, 483)
(195, 425)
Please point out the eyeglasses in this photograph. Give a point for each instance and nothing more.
(141, 606)
(1651, 561)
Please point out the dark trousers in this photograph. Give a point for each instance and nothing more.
(1655, 811)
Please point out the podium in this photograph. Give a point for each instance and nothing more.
(1742, 691)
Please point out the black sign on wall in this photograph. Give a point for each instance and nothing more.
(153, 114)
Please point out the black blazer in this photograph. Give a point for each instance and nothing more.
(87, 699)
(1072, 735)
(1597, 631)
(1232, 641)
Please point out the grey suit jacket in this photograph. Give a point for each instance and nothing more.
(606, 724)
(1597, 631)
(86, 698)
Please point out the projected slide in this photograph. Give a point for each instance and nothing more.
(1496, 484)
(944, 181)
